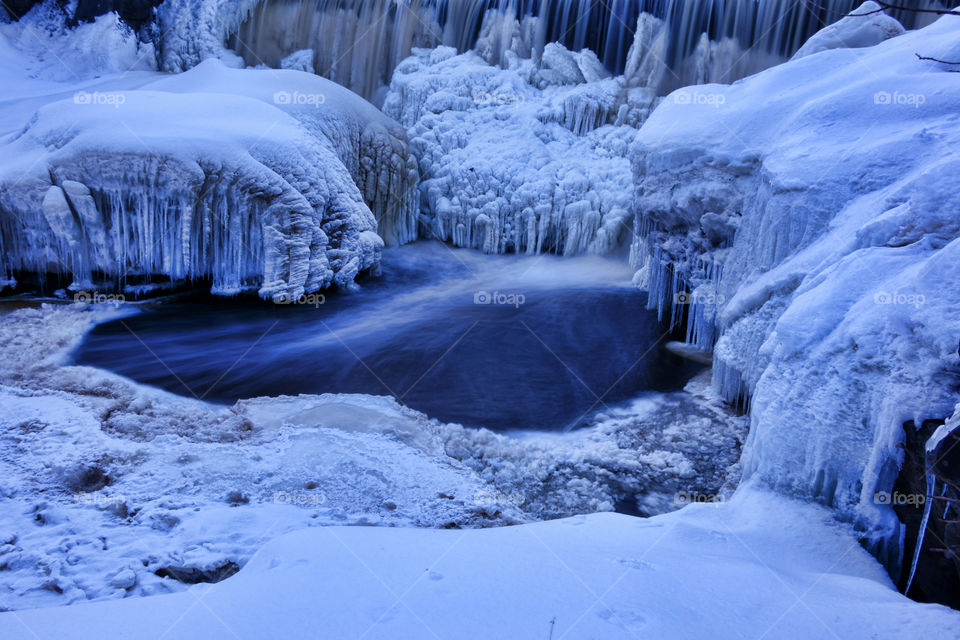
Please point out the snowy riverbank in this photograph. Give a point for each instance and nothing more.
(759, 566)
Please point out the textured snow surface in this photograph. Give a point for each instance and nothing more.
(866, 26)
(56, 53)
(104, 482)
(763, 566)
(812, 212)
(276, 181)
(531, 158)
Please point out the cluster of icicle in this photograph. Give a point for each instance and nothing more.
(131, 216)
(827, 280)
(527, 159)
(306, 204)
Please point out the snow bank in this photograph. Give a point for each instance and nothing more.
(763, 566)
(808, 215)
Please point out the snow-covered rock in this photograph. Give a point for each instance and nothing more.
(810, 215)
(865, 26)
(56, 52)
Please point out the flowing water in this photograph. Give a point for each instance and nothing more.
(358, 43)
(503, 342)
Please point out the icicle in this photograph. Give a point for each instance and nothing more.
(927, 506)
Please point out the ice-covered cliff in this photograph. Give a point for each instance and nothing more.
(272, 180)
(805, 219)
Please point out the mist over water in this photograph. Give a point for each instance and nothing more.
(503, 342)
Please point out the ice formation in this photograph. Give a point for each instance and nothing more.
(529, 159)
(295, 192)
(807, 216)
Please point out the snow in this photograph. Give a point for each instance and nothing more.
(764, 565)
(820, 194)
(56, 53)
(802, 220)
(865, 26)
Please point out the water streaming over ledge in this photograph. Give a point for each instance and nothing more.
(358, 43)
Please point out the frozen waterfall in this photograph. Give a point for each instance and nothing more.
(358, 43)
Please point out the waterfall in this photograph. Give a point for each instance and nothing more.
(358, 43)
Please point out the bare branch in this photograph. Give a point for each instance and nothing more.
(940, 61)
(886, 6)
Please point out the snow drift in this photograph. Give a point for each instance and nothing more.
(765, 565)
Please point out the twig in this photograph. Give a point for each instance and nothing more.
(884, 6)
(896, 7)
(938, 60)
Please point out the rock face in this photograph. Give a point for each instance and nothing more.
(803, 221)
(274, 181)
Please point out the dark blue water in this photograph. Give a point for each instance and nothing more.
(494, 341)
